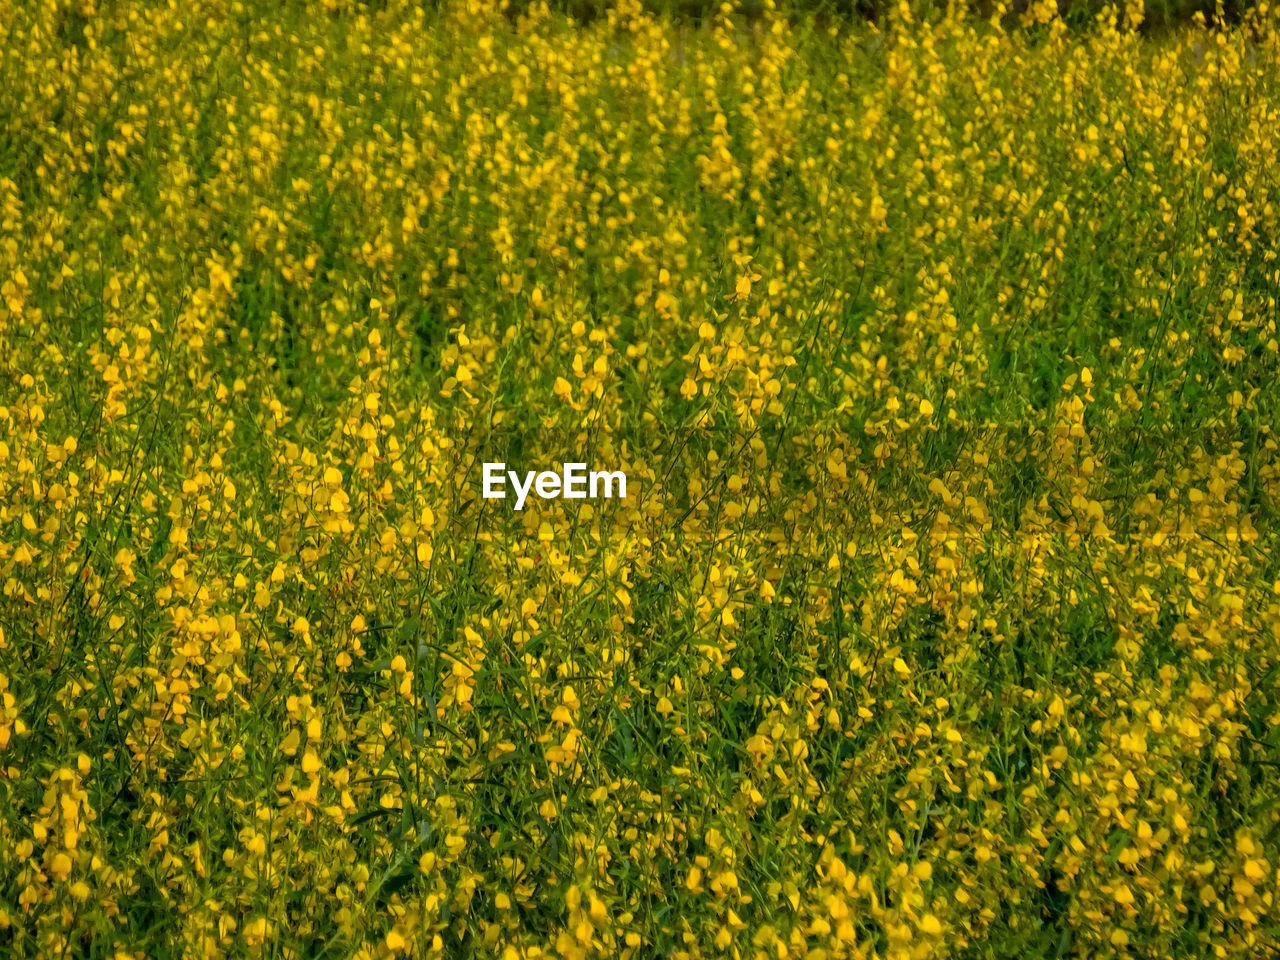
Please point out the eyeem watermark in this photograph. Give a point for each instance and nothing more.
(573, 483)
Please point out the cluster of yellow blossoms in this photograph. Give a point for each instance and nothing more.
(942, 617)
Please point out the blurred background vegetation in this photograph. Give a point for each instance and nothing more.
(1159, 15)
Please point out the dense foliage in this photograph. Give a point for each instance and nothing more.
(942, 617)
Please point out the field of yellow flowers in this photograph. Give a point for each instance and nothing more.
(942, 614)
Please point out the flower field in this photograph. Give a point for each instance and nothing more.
(941, 617)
